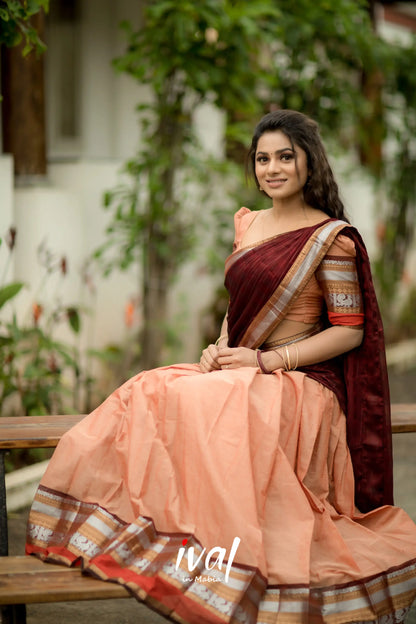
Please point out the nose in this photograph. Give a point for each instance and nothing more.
(273, 165)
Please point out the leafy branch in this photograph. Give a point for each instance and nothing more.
(15, 25)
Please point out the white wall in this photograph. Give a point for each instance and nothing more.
(6, 217)
(87, 180)
(50, 216)
(109, 120)
(360, 199)
(6, 193)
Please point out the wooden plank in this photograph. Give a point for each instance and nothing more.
(35, 431)
(403, 417)
(25, 580)
(46, 431)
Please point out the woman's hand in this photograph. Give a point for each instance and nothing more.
(209, 359)
(220, 358)
(236, 357)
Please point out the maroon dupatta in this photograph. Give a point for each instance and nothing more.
(263, 282)
(368, 399)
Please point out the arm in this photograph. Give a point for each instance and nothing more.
(323, 346)
(338, 279)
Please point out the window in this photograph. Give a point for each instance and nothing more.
(63, 80)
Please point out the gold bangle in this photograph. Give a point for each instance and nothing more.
(288, 358)
(297, 357)
(220, 338)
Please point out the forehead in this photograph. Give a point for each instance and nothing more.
(273, 141)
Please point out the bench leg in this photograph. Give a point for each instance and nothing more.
(4, 538)
(13, 614)
(10, 614)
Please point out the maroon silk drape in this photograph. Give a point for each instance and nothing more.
(359, 378)
(368, 399)
(254, 277)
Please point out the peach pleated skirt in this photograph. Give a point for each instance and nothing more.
(175, 464)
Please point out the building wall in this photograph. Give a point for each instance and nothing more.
(6, 194)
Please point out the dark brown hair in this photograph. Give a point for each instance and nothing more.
(321, 189)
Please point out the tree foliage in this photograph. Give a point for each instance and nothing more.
(246, 58)
(399, 171)
(15, 25)
(188, 54)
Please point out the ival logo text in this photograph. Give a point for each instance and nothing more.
(217, 550)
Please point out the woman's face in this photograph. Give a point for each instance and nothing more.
(281, 171)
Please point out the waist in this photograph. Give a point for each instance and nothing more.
(287, 340)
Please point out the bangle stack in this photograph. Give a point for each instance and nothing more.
(284, 356)
(287, 363)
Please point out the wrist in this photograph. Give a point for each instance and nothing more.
(268, 362)
(273, 360)
(289, 357)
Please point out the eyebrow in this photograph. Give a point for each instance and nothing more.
(280, 151)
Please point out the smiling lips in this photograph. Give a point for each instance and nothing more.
(276, 182)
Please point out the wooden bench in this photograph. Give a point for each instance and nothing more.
(24, 432)
(25, 580)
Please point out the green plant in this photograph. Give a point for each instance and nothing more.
(188, 54)
(398, 220)
(15, 26)
(34, 365)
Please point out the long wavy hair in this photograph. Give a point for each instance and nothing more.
(320, 190)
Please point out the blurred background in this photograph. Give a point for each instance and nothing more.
(124, 131)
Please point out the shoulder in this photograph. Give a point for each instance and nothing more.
(242, 220)
(242, 215)
(342, 246)
(350, 242)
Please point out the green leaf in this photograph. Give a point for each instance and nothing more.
(74, 319)
(9, 291)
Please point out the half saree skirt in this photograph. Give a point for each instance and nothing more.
(152, 489)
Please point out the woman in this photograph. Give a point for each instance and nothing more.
(224, 491)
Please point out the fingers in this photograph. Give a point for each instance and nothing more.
(226, 358)
(229, 358)
(236, 357)
(214, 358)
(208, 361)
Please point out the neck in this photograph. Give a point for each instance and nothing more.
(290, 215)
(291, 209)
